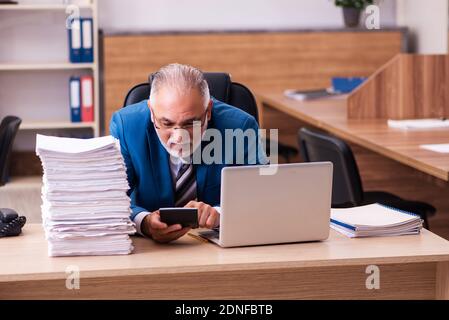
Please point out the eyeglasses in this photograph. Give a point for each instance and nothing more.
(187, 126)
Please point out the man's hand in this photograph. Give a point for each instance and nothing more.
(159, 231)
(208, 217)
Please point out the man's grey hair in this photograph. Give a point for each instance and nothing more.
(181, 78)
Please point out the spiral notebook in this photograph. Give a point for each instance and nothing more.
(375, 220)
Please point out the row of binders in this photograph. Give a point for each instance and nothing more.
(81, 40)
(81, 99)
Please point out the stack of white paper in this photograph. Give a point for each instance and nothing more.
(374, 220)
(85, 207)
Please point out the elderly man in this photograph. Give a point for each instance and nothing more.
(160, 137)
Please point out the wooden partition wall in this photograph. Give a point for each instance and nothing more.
(409, 86)
(272, 61)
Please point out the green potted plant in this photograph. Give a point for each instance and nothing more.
(352, 10)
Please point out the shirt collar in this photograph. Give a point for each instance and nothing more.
(178, 162)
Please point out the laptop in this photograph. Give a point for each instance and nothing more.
(292, 205)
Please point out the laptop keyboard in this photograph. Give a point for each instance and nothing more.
(215, 234)
(210, 234)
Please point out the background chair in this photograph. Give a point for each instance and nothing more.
(8, 130)
(222, 88)
(347, 189)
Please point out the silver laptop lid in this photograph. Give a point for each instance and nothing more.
(292, 205)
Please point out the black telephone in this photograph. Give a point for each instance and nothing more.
(10, 223)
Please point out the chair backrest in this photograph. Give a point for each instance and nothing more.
(220, 86)
(8, 130)
(347, 186)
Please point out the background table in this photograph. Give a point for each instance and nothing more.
(374, 134)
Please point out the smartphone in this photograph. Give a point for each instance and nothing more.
(186, 217)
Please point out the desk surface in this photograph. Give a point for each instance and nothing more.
(373, 134)
(25, 257)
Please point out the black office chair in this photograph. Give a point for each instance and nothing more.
(222, 88)
(347, 189)
(8, 130)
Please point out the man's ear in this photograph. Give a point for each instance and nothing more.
(151, 113)
(209, 109)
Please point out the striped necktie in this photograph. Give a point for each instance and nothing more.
(185, 189)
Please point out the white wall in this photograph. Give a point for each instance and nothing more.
(200, 15)
(427, 22)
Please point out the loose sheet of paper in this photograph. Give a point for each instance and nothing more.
(440, 148)
(419, 124)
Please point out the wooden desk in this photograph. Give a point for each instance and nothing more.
(375, 135)
(411, 267)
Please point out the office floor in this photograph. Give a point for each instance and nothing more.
(23, 194)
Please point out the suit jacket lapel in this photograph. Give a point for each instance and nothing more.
(161, 169)
(202, 169)
(201, 175)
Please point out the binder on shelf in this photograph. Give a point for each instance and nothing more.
(75, 41)
(75, 99)
(87, 52)
(87, 101)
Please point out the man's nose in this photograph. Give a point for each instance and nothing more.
(177, 138)
(180, 136)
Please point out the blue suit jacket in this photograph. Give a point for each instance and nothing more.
(147, 162)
